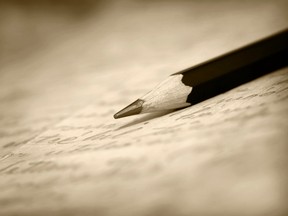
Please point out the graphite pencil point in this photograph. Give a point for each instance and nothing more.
(132, 109)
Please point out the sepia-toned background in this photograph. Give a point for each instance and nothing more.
(58, 57)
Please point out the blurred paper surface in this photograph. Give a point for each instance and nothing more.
(62, 153)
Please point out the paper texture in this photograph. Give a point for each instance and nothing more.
(62, 153)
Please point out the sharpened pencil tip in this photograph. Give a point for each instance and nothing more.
(132, 109)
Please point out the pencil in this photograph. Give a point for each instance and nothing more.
(218, 75)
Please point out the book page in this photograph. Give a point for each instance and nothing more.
(62, 153)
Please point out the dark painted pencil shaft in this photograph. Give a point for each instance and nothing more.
(236, 59)
(235, 68)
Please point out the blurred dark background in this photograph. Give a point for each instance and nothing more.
(27, 26)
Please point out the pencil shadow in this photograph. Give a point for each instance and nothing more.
(145, 118)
